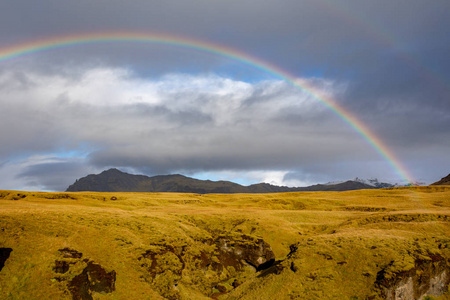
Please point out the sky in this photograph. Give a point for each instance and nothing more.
(158, 108)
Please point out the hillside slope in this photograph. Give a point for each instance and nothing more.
(114, 180)
(368, 244)
(443, 181)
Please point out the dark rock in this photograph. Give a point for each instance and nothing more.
(278, 269)
(294, 267)
(221, 288)
(205, 260)
(255, 252)
(69, 253)
(100, 280)
(79, 287)
(4, 255)
(93, 279)
(236, 283)
(61, 266)
(293, 249)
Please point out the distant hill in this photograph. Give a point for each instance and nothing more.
(114, 180)
(443, 181)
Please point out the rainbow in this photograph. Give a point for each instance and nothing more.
(40, 45)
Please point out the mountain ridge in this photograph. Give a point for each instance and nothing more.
(444, 181)
(114, 180)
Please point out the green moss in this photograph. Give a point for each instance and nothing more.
(344, 241)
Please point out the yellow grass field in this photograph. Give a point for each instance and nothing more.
(366, 244)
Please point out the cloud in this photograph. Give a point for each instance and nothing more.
(178, 122)
(161, 108)
(53, 173)
(43, 172)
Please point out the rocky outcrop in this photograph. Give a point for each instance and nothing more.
(70, 253)
(4, 255)
(211, 262)
(426, 278)
(413, 276)
(256, 253)
(93, 278)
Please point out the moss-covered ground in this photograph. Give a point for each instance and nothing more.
(327, 245)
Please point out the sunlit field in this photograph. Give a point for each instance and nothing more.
(305, 245)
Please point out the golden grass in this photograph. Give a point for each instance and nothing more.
(343, 240)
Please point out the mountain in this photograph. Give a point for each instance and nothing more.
(375, 183)
(443, 181)
(114, 180)
(372, 182)
(344, 186)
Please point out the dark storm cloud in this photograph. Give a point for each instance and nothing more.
(355, 40)
(179, 122)
(56, 175)
(387, 63)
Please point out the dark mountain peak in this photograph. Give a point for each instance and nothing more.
(443, 181)
(173, 176)
(113, 171)
(114, 180)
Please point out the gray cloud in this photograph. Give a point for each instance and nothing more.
(158, 108)
(178, 122)
(54, 175)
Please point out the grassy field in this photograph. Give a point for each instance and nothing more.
(325, 245)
